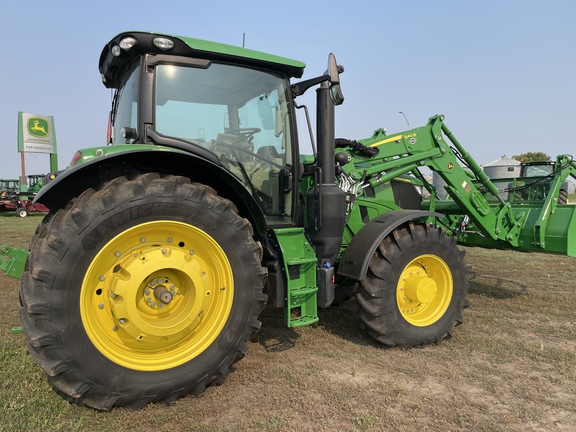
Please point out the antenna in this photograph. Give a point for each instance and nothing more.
(400, 112)
(243, 40)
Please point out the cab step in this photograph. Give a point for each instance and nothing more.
(300, 267)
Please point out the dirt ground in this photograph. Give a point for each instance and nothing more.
(510, 367)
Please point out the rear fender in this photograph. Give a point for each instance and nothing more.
(355, 259)
(92, 173)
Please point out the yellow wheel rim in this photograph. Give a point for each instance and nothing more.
(157, 295)
(424, 290)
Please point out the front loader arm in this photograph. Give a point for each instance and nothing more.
(435, 147)
(499, 222)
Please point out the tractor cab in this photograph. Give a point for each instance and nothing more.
(230, 106)
(537, 169)
(8, 186)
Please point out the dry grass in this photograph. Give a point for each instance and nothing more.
(510, 367)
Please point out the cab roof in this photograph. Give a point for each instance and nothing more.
(114, 59)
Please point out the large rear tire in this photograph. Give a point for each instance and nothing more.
(142, 291)
(415, 289)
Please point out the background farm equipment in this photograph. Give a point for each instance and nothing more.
(21, 204)
(8, 186)
(19, 198)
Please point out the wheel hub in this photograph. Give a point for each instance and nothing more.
(160, 292)
(424, 290)
(420, 289)
(150, 301)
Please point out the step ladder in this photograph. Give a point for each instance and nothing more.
(300, 268)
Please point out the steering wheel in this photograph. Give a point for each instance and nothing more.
(234, 150)
(246, 133)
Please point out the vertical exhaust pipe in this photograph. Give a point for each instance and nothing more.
(325, 201)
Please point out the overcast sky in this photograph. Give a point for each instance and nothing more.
(502, 72)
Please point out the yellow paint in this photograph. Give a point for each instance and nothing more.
(124, 318)
(424, 290)
(387, 140)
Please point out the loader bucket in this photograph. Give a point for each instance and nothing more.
(557, 235)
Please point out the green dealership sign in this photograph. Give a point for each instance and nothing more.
(36, 134)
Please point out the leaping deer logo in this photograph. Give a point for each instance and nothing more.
(38, 127)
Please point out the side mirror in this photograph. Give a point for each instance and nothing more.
(330, 78)
(334, 71)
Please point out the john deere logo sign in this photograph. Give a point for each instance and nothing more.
(36, 133)
(38, 127)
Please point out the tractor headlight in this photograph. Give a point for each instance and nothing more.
(124, 45)
(163, 43)
(127, 43)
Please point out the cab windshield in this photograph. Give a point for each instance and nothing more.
(239, 114)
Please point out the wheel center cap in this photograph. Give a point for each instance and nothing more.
(421, 289)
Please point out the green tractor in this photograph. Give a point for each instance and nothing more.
(145, 281)
(8, 185)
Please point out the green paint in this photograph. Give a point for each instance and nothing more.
(239, 52)
(38, 127)
(300, 268)
(12, 261)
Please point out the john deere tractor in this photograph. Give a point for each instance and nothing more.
(145, 281)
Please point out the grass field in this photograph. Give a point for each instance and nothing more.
(510, 367)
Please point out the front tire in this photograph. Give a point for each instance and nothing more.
(141, 292)
(415, 289)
